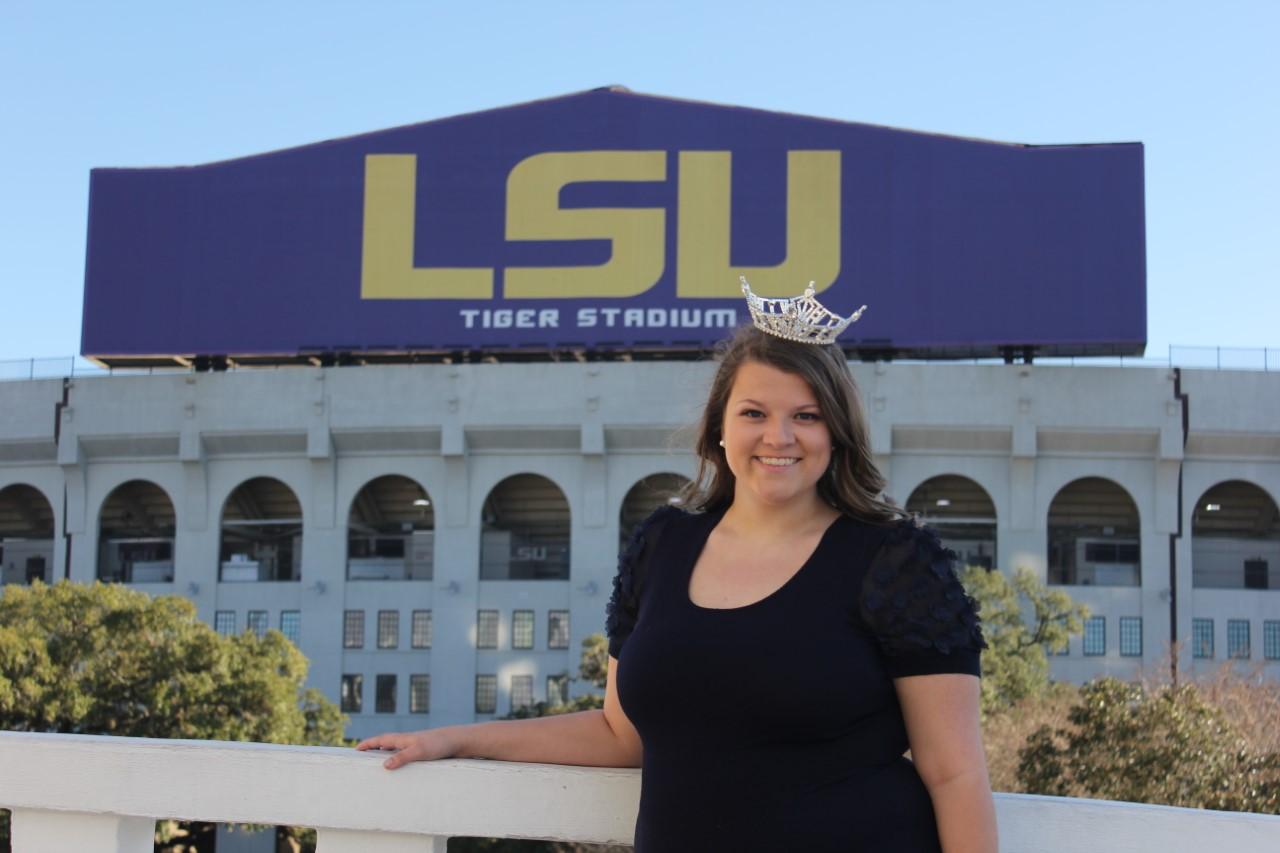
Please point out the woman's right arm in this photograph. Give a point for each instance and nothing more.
(596, 738)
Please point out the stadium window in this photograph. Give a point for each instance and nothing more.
(224, 622)
(1238, 639)
(419, 694)
(1271, 639)
(1131, 636)
(558, 689)
(487, 629)
(420, 630)
(256, 549)
(353, 629)
(522, 629)
(135, 535)
(1102, 551)
(291, 625)
(259, 622)
(525, 531)
(1095, 636)
(486, 694)
(388, 629)
(352, 696)
(521, 692)
(1202, 639)
(391, 531)
(384, 694)
(558, 629)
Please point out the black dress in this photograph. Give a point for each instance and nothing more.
(775, 726)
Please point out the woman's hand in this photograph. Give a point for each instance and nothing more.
(583, 738)
(426, 745)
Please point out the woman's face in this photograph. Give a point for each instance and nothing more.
(776, 441)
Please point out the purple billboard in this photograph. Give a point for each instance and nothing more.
(608, 220)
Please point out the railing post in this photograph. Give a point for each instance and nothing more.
(40, 831)
(346, 841)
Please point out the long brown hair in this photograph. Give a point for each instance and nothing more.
(852, 483)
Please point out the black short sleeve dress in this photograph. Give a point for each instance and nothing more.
(775, 726)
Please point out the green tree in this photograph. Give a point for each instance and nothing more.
(1167, 745)
(1020, 619)
(593, 668)
(105, 659)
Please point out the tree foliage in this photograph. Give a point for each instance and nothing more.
(108, 660)
(104, 659)
(1166, 745)
(593, 668)
(594, 664)
(1021, 618)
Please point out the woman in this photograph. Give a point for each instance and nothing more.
(774, 653)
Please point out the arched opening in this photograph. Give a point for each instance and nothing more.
(1094, 535)
(135, 534)
(391, 531)
(26, 535)
(261, 533)
(644, 497)
(525, 531)
(1235, 538)
(963, 514)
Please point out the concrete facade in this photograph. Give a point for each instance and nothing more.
(1020, 432)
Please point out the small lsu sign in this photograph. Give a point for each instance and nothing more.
(607, 221)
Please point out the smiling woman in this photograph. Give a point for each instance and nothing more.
(790, 392)
(781, 564)
(792, 570)
(775, 442)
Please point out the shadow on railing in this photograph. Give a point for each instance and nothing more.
(103, 795)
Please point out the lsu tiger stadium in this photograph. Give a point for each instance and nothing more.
(402, 395)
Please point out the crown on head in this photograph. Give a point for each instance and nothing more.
(800, 318)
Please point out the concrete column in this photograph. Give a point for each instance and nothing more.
(40, 831)
(456, 597)
(82, 536)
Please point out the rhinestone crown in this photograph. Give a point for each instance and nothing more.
(801, 318)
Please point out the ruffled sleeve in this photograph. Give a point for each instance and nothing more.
(914, 605)
(624, 604)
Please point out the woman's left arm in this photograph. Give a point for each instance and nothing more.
(941, 713)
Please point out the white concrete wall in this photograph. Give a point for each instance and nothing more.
(1234, 435)
(103, 795)
(1021, 432)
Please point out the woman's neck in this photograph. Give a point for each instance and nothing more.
(774, 522)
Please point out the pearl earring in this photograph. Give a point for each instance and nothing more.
(722, 442)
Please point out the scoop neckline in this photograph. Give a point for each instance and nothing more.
(701, 545)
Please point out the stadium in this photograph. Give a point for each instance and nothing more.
(402, 395)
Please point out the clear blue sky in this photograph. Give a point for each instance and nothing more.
(172, 83)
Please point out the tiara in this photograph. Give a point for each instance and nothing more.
(800, 318)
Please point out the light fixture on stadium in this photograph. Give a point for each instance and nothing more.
(801, 318)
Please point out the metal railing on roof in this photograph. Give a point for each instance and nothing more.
(1265, 359)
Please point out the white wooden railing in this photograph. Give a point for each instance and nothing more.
(103, 795)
